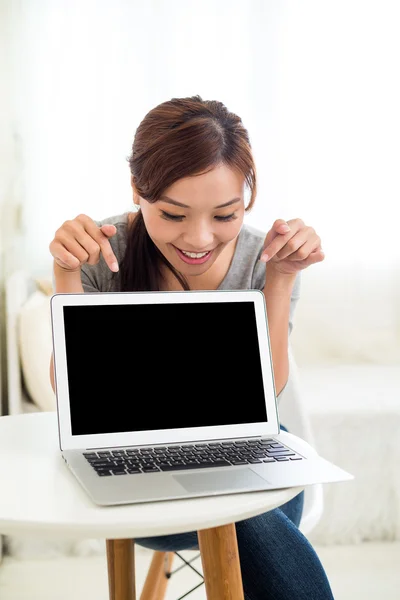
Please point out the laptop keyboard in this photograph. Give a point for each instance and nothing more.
(149, 459)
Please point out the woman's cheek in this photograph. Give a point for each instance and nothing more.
(231, 230)
(156, 227)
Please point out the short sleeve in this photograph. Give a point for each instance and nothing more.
(88, 281)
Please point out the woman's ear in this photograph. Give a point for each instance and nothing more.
(136, 199)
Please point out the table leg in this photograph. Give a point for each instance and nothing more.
(220, 559)
(121, 569)
(155, 584)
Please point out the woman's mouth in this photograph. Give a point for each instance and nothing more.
(193, 258)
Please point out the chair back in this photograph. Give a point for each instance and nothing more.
(294, 416)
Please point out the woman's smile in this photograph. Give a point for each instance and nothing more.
(193, 258)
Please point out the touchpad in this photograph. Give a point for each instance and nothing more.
(221, 480)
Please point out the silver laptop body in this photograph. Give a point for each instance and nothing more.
(167, 395)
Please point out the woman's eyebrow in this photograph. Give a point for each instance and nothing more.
(176, 203)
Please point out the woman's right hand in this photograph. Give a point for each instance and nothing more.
(81, 241)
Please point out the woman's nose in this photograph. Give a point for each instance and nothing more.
(199, 237)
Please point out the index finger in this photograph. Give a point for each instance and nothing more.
(276, 242)
(105, 247)
(274, 246)
(108, 253)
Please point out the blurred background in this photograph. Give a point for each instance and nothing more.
(317, 85)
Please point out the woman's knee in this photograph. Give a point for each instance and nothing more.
(278, 561)
(293, 509)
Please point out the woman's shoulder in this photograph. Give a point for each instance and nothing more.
(246, 271)
(253, 232)
(120, 221)
(251, 240)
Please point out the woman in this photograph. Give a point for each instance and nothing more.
(191, 166)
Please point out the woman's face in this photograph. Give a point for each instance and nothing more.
(196, 219)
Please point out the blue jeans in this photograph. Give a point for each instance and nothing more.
(276, 560)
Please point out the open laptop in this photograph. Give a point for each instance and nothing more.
(166, 395)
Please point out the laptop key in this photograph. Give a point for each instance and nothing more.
(180, 467)
(283, 453)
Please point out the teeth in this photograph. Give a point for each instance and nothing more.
(194, 254)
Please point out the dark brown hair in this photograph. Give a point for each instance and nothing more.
(179, 138)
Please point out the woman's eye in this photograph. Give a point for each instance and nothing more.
(226, 217)
(172, 217)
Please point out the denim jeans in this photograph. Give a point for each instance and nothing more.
(276, 560)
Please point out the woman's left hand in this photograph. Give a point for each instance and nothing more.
(289, 251)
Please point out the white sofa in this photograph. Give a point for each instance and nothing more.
(355, 416)
(351, 413)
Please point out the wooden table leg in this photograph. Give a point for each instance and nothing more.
(121, 569)
(220, 559)
(155, 584)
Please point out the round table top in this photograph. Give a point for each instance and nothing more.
(39, 495)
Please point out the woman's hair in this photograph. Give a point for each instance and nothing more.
(179, 138)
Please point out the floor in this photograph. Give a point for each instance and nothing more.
(363, 572)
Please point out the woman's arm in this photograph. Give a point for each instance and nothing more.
(289, 247)
(278, 291)
(66, 282)
(75, 243)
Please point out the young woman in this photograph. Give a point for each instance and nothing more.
(191, 166)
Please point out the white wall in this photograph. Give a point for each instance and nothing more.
(317, 84)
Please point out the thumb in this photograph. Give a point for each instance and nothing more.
(108, 230)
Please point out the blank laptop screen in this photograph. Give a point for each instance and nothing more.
(161, 366)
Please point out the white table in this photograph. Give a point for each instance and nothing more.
(40, 497)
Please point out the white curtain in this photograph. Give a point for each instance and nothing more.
(317, 85)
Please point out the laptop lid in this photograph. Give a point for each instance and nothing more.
(161, 367)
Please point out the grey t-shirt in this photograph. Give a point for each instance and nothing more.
(245, 272)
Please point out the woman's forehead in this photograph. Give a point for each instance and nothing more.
(216, 187)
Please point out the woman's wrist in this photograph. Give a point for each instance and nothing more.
(277, 282)
(66, 281)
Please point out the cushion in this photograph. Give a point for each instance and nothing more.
(35, 345)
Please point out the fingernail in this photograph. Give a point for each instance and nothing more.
(114, 267)
(264, 258)
(285, 228)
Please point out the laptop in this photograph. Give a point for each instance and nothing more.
(168, 395)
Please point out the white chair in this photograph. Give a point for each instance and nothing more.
(294, 416)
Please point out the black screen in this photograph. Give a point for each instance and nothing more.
(160, 366)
